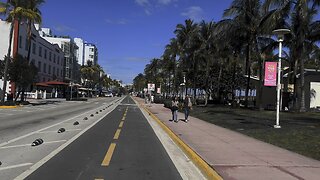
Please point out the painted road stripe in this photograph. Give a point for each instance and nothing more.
(116, 136)
(107, 158)
(24, 145)
(121, 124)
(15, 166)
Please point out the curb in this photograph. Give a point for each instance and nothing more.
(208, 171)
(8, 107)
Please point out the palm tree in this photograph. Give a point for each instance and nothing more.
(170, 58)
(16, 10)
(251, 22)
(304, 33)
(12, 9)
(32, 15)
(187, 43)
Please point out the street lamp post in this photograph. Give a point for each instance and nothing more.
(280, 33)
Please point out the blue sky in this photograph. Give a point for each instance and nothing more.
(128, 33)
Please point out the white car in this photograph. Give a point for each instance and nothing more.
(108, 95)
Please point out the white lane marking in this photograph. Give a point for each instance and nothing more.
(15, 166)
(67, 130)
(43, 129)
(25, 145)
(7, 114)
(53, 153)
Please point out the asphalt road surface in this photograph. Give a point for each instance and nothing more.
(120, 146)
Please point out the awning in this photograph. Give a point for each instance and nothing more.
(56, 83)
(42, 84)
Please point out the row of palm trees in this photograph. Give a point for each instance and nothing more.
(94, 76)
(219, 57)
(16, 11)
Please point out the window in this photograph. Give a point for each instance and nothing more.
(40, 51)
(20, 41)
(50, 56)
(44, 80)
(26, 45)
(54, 58)
(44, 67)
(34, 48)
(39, 66)
(91, 56)
(45, 53)
(53, 70)
(58, 60)
(49, 71)
(61, 73)
(91, 49)
(57, 71)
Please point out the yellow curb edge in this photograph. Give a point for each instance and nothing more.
(8, 107)
(208, 171)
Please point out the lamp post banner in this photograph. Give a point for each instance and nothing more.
(270, 74)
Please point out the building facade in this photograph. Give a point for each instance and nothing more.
(80, 52)
(69, 49)
(90, 53)
(47, 57)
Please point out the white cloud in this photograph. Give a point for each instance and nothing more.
(150, 5)
(143, 3)
(165, 2)
(194, 12)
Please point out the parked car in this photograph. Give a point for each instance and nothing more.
(109, 95)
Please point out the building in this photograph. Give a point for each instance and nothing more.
(47, 57)
(80, 52)
(70, 49)
(90, 53)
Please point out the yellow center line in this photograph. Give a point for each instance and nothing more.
(107, 158)
(121, 124)
(117, 134)
(98, 179)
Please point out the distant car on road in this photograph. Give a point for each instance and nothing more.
(109, 95)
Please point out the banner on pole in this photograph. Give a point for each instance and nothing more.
(151, 87)
(270, 74)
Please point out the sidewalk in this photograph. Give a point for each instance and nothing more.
(236, 156)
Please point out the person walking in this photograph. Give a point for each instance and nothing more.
(187, 104)
(174, 109)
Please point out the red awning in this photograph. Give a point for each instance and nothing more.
(56, 83)
(42, 84)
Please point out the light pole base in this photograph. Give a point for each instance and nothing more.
(277, 126)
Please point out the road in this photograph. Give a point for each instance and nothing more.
(113, 140)
(137, 152)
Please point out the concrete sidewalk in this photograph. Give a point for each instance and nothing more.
(236, 156)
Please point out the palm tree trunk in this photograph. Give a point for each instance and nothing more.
(249, 74)
(29, 41)
(302, 98)
(7, 60)
(295, 89)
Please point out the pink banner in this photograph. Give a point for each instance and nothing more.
(270, 74)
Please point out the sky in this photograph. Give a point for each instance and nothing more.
(127, 33)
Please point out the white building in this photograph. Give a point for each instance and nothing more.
(69, 48)
(47, 57)
(80, 52)
(90, 53)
